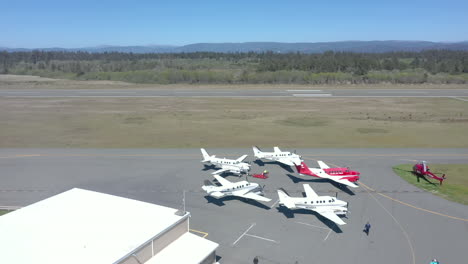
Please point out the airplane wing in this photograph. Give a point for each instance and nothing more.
(254, 196)
(222, 181)
(286, 161)
(332, 216)
(242, 158)
(309, 192)
(345, 182)
(322, 164)
(221, 171)
(217, 194)
(276, 149)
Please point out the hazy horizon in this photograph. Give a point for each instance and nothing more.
(53, 23)
(174, 46)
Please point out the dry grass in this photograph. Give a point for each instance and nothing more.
(9, 81)
(233, 122)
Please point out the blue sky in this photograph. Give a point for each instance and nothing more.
(47, 23)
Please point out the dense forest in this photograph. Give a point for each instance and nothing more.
(434, 66)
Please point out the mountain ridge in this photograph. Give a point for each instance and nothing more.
(377, 46)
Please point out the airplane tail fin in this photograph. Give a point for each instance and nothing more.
(257, 151)
(206, 157)
(322, 164)
(302, 168)
(284, 199)
(242, 158)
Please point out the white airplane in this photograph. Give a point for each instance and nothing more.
(284, 157)
(327, 206)
(234, 166)
(244, 189)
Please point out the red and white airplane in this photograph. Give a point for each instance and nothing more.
(421, 169)
(340, 175)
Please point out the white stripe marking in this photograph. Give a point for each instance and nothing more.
(329, 232)
(311, 95)
(104, 92)
(313, 225)
(243, 234)
(274, 203)
(19, 92)
(304, 90)
(9, 207)
(461, 99)
(271, 240)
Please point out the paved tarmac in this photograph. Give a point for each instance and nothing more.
(408, 225)
(96, 93)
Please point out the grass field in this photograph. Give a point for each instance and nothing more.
(8, 81)
(226, 122)
(232, 122)
(454, 188)
(2, 212)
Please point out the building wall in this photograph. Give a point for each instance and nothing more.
(157, 244)
(168, 237)
(210, 259)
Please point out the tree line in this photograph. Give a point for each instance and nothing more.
(434, 66)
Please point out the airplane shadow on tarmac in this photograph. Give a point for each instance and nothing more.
(208, 167)
(284, 166)
(290, 214)
(220, 201)
(342, 187)
(224, 174)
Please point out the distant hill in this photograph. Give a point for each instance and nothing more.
(277, 47)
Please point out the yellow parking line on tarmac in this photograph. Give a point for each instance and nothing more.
(413, 255)
(200, 232)
(412, 206)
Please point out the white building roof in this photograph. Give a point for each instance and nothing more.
(188, 248)
(80, 226)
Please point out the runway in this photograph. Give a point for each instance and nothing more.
(408, 225)
(321, 93)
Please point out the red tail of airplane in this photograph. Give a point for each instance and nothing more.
(303, 169)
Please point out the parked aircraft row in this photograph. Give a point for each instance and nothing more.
(327, 206)
(343, 176)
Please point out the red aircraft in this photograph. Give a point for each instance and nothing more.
(341, 175)
(421, 169)
(263, 175)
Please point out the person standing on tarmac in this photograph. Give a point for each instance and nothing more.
(367, 228)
